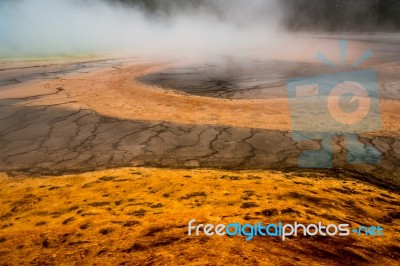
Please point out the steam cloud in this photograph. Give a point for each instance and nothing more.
(70, 27)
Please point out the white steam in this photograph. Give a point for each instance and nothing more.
(71, 27)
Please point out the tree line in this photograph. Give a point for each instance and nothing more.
(297, 15)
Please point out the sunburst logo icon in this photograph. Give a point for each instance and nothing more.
(343, 103)
(343, 51)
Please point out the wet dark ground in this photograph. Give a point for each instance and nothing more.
(232, 78)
